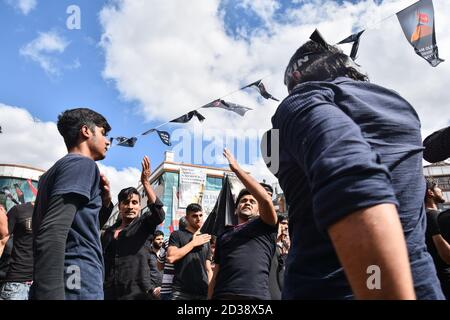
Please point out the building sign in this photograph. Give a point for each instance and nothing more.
(192, 185)
(209, 200)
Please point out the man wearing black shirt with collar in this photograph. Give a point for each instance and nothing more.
(127, 272)
(190, 252)
(244, 252)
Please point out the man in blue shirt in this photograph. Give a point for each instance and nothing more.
(350, 165)
(72, 204)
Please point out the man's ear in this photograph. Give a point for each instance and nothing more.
(296, 75)
(85, 132)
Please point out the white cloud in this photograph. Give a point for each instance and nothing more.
(119, 179)
(43, 48)
(181, 57)
(28, 141)
(24, 6)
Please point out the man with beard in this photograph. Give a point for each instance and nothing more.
(156, 275)
(437, 245)
(244, 253)
(127, 272)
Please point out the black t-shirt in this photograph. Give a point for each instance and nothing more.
(6, 258)
(444, 224)
(19, 225)
(78, 177)
(442, 268)
(190, 271)
(244, 254)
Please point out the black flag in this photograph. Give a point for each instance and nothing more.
(165, 137)
(355, 39)
(240, 110)
(417, 23)
(126, 142)
(261, 89)
(223, 213)
(317, 37)
(187, 117)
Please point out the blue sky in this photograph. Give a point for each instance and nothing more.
(25, 83)
(160, 59)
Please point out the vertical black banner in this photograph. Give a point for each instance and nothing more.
(417, 22)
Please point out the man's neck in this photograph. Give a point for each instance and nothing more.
(192, 230)
(82, 150)
(431, 205)
(125, 222)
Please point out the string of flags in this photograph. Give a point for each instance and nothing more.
(417, 22)
(218, 103)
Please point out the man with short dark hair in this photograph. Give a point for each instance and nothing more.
(127, 269)
(438, 247)
(190, 251)
(72, 204)
(350, 166)
(244, 253)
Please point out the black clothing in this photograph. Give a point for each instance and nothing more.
(5, 259)
(437, 146)
(244, 254)
(190, 271)
(155, 274)
(68, 259)
(19, 225)
(442, 268)
(127, 272)
(276, 275)
(444, 224)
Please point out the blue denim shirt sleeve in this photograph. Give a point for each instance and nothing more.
(343, 172)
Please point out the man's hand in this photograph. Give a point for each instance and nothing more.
(231, 160)
(157, 292)
(106, 190)
(146, 171)
(200, 239)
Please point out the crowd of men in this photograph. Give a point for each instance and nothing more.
(350, 165)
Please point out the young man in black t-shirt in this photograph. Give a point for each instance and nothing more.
(244, 253)
(20, 272)
(72, 204)
(438, 246)
(190, 252)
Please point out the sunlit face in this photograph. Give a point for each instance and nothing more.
(195, 219)
(99, 143)
(130, 208)
(283, 227)
(247, 207)
(438, 196)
